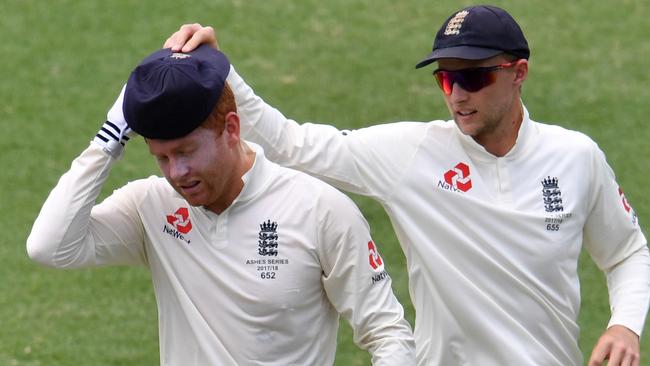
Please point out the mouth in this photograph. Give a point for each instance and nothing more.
(189, 186)
(465, 113)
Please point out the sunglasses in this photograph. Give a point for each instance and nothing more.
(472, 79)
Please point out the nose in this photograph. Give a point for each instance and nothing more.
(178, 169)
(458, 94)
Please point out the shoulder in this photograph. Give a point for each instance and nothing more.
(314, 192)
(410, 130)
(564, 138)
(146, 184)
(145, 188)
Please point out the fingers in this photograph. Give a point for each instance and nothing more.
(599, 354)
(619, 346)
(190, 36)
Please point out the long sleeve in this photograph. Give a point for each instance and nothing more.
(364, 161)
(71, 232)
(615, 242)
(629, 291)
(358, 285)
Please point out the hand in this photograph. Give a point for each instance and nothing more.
(190, 36)
(619, 345)
(115, 132)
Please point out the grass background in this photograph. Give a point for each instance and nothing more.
(345, 62)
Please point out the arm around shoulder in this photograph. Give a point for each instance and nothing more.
(366, 161)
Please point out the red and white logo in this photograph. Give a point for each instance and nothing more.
(180, 220)
(458, 177)
(626, 205)
(375, 259)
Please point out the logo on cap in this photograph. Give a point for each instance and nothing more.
(453, 27)
(179, 56)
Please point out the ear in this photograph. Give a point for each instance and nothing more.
(231, 127)
(521, 71)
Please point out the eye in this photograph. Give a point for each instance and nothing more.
(188, 151)
(161, 159)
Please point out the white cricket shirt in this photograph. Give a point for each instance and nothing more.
(492, 243)
(262, 283)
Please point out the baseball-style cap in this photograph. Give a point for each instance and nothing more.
(476, 33)
(170, 94)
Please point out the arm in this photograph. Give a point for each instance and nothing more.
(619, 248)
(70, 231)
(357, 284)
(368, 161)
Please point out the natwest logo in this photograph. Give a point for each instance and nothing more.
(374, 258)
(627, 207)
(458, 177)
(180, 220)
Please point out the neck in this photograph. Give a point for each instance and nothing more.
(500, 141)
(245, 161)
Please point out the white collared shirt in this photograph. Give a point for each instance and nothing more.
(262, 283)
(492, 243)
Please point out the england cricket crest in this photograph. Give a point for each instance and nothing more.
(552, 195)
(268, 239)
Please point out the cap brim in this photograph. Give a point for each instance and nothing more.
(462, 52)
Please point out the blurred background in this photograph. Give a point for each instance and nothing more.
(343, 62)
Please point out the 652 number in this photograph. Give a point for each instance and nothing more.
(267, 275)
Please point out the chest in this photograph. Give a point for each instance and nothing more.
(263, 254)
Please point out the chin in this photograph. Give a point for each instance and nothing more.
(195, 202)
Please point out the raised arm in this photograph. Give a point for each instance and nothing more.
(367, 161)
(70, 231)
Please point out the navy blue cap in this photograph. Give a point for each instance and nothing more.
(477, 33)
(168, 95)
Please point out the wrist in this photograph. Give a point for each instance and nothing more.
(112, 138)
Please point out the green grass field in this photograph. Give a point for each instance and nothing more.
(345, 62)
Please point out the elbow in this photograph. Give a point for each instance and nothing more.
(38, 251)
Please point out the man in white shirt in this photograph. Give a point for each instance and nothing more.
(491, 208)
(251, 263)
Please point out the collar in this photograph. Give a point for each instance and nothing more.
(255, 179)
(477, 151)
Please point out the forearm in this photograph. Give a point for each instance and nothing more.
(60, 235)
(629, 291)
(389, 338)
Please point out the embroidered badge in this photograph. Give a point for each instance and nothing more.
(268, 239)
(267, 264)
(455, 23)
(180, 56)
(551, 195)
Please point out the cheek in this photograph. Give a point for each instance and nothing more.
(164, 168)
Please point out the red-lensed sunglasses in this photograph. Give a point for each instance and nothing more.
(472, 79)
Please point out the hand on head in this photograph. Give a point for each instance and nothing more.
(190, 36)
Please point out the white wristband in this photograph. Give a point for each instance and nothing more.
(115, 132)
